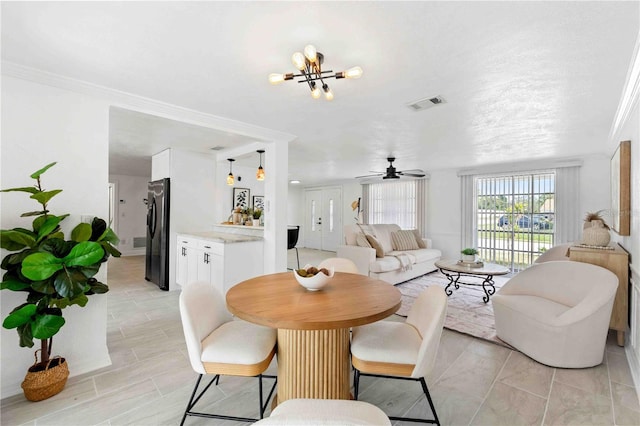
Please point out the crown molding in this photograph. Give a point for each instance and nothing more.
(630, 94)
(146, 105)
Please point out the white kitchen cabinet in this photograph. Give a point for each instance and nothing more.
(223, 261)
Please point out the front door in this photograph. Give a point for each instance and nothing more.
(323, 218)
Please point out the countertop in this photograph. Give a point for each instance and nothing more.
(221, 237)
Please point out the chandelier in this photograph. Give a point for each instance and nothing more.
(310, 66)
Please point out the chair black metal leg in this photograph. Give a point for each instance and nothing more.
(435, 420)
(356, 383)
(194, 400)
(426, 392)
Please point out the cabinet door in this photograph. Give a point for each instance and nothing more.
(204, 266)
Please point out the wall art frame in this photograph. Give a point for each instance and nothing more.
(621, 189)
(241, 198)
(258, 202)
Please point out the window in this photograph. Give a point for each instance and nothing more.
(400, 202)
(515, 217)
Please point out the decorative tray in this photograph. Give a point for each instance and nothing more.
(475, 264)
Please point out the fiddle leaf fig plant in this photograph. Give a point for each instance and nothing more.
(53, 272)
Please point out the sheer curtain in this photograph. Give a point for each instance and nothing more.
(568, 226)
(401, 202)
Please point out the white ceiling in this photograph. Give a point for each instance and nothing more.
(521, 80)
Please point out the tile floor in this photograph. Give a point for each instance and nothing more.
(473, 383)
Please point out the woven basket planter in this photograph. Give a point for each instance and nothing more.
(595, 234)
(45, 379)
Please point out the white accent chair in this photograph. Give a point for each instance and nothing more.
(557, 312)
(402, 350)
(219, 345)
(557, 252)
(321, 412)
(339, 264)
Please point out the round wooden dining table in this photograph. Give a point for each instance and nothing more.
(313, 326)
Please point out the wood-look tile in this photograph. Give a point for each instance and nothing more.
(96, 411)
(619, 371)
(572, 406)
(625, 405)
(471, 374)
(509, 406)
(592, 380)
(522, 372)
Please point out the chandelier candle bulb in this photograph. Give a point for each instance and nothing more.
(310, 52)
(355, 72)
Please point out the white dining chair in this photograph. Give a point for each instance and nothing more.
(219, 345)
(402, 350)
(339, 264)
(324, 412)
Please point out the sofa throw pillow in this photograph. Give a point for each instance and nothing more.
(376, 245)
(361, 240)
(404, 240)
(419, 239)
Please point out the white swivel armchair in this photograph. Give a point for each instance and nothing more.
(402, 350)
(218, 345)
(339, 264)
(557, 252)
(557, 312)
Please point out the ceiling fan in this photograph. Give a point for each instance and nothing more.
(392, 173)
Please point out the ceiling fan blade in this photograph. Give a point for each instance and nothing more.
(411, 171)
(366, 176)
(411, 174)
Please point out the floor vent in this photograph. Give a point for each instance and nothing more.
(425, 103)
(139, 242)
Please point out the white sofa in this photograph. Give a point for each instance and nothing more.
(387, 268)
(557, 312)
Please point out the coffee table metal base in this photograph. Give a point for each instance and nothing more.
(487, 284)
(313, 364)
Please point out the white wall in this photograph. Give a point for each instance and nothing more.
(130, 211)
(42, 124)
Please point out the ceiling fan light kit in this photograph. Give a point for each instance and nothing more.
(310, 66)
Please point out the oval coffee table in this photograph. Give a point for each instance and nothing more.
(455, 270)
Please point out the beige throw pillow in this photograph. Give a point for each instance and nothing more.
(404, 240)
(419, 239)
(376, 245)
(361, 240)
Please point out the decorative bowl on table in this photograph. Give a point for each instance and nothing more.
(312, 278)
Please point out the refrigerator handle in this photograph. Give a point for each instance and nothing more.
(153, 218)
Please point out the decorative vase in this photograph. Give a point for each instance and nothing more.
(596, 234)
(469, 258)
(256, 222)
(45, 379)
(237, 218)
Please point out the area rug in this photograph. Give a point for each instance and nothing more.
(466, 312)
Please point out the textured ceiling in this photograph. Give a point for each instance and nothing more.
(521, 80)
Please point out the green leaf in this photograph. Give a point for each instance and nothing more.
(37, 174)
(110, 249)
(82, 232)
(44, 196)
(58, 247)
(14, 285)
(49, 225)
(46, 326)
(59, 235)
(44, 287)
(81, 300)
(19, 316)
(98, 228)
(70, 283)
(99, 288)
(90, 271)
(30, 189)
(35, 213)
(40, 266)
(26, 337)
(15, 240)
(84, 254)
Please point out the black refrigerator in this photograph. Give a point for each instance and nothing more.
(157, 251)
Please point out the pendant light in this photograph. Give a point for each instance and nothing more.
(230, 176)
(260, 172)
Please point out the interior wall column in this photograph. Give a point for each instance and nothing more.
(276, 193)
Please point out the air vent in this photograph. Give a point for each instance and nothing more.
(217, 148)
(139, 242)
(426, 103)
